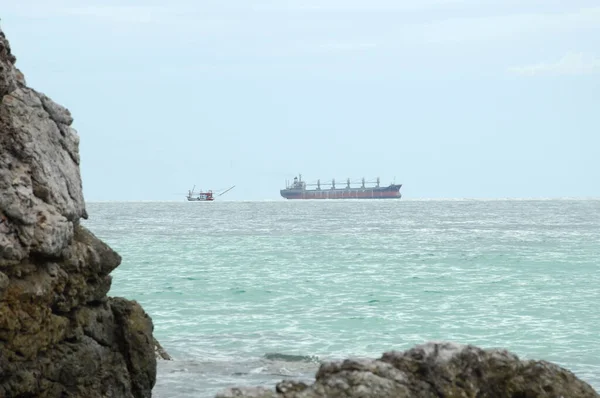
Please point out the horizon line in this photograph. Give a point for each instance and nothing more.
(424, 199)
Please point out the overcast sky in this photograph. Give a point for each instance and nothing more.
(452, 98)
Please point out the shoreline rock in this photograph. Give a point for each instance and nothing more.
(60, 335)
(160, 352)
(432, 370)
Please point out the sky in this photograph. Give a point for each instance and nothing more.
(451, 98)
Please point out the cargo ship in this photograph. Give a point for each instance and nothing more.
(297, 189)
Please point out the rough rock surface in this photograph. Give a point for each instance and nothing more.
(432, 370)
(60, 335)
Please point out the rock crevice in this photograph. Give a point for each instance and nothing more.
(60, 335)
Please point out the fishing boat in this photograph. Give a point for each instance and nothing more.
(203, 196)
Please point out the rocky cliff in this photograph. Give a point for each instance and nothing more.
(433, 370)
(60, 335)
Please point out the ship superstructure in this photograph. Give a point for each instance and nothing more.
(297, 189)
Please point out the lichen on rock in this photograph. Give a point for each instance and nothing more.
(432, 370)
(60, 335)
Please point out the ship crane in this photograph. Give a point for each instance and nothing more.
(362, 183)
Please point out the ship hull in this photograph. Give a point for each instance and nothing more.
(200, 199)
(391, 192)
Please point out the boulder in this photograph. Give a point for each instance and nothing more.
(432, 370)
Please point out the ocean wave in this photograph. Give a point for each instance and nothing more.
(275, 356)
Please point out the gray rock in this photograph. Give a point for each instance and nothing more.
(58, 113)
(160, 352)
(10, 77)
(60, 335)
(248, 392)
(433, 370)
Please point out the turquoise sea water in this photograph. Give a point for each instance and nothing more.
(250, 293)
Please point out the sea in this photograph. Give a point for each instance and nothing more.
(252, 293)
